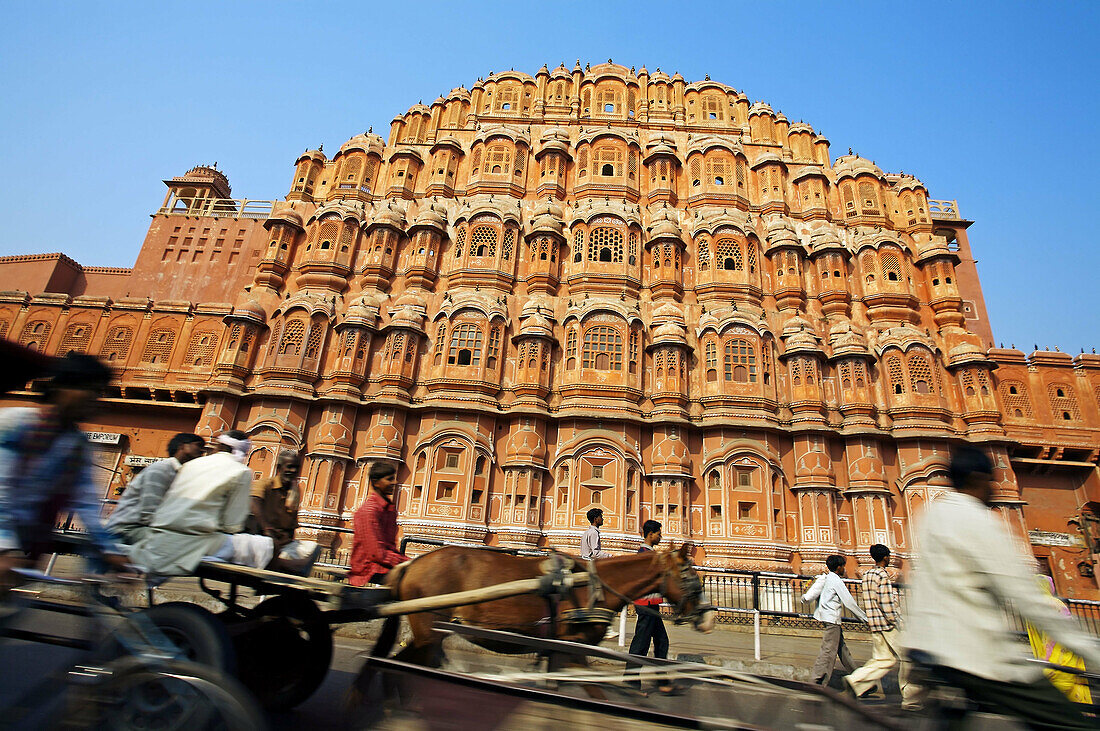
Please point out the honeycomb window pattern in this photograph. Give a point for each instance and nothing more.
(868, 199)
(509, 241)
(895, 372)
(35, 334)
(1063, 402)
(891, 266)
(397, 346)
(920, 373)
(465, 347)
(313, 345)
(159, 347)
(484, 241)
(603, 349)
(293, 335)
(704, 254)
(117, 344)
(3, 328)
(460, 241)
(729, 255)
(605, 244)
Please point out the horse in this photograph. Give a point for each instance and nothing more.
(617, 581)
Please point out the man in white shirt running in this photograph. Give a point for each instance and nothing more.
(968, 572)
(832, 597)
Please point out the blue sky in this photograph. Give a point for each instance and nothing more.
(987, 103)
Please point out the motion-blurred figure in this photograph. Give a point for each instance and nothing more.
(1075, 687)
(203, 514)
(144, 494)
(46, 468)
(968, 572)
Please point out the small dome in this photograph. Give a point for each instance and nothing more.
(250, 310)
(664, 227)
(800, 127)
(315, 155)
(283, 212)
(669, 332)
(526, 447)
(850, 166)
(761, 108)
(389, 215)
(430, 217)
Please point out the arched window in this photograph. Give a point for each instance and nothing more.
(465, 345)
(920, 372)
(603, 349)
(891, 266)
(740, 363)
(712, 361)
(159, 346)
(729, 256)
(571, 349)
(704, 254)
(608, 161)
(498, 160)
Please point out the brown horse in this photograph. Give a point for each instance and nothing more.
(620, 579)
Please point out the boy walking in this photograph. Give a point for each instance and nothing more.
(881, 603)
(649, 628)
(832, 597)
(590, 541)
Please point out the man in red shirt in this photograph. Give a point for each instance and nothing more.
(374, 547)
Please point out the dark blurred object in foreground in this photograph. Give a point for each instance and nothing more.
(21, 364)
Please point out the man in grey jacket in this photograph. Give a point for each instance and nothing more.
(145, 492)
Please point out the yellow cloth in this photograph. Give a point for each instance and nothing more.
(1074, 687)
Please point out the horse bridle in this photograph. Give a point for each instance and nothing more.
(691, 589)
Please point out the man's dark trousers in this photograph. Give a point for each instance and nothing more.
(649, 628)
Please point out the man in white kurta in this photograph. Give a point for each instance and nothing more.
(202, 515)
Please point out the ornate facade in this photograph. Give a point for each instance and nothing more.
(590, 287)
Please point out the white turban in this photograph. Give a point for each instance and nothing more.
(239, 447)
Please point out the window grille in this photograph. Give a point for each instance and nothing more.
(868, 199)
(159, 347)
(397, 346)
(200, 351)
(712, 361)
(465, 345)
(291, 343)
(895, 372)
(571, 348)
(460, 241)
(740, 361)
(704, 254)
(1063, 402)
(603, 349)
(845, 375)
(605, 244)
(76, 338)
(578, 245)
(313, 345)
(36, 332)
(484, 241)
(729, 255)
(509, 239)
(920, 372)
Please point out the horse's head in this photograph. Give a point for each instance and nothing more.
(683, 588)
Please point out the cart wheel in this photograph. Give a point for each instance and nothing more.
(198, 633)
(285, 657)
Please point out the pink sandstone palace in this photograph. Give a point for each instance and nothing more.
(592, 287)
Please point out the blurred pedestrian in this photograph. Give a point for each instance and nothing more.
(880, 603)
(275, 502)
(832, 596)
(967, 577)
(649, 629)
(144, 494)
(1075, 687)
(46, 469)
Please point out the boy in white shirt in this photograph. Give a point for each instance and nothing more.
(832, 596)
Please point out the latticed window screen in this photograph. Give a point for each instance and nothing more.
(509, 240)
(293, 334)
(475, 161)
(494, 344)
(460, 241)
(740, 169)
(351, 168)
(920, 372)
(809, 367)
(582, 163)
(603, 348)
(571, 346)
(159, 346)
(1063, 402)
(670, 256)
(117, 344)
(397, 346)
(659, 361)
(796, 371)
(704, 254)
(968, 382)
(891, 266)
(484, 241)
(860, 369)
(631, 165)
(200, 351)
(327, 233)
(696, 170)
(607, 161)
(729, 255)
(711, 360)
(895, 372)
(633, 350)
(246, 343)
(712, 107)
(718, 172)
(605, 244)
(35, 334)
(741, 358)
(849, 199)
(465, 345)
(347, 343)
(845, 371)
(76, 338)
(498, 160)
(234, 337)
(372, 167)
(520, 155)
(867, 197)
(313, 345)
(3, 328)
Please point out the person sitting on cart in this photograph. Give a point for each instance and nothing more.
(374, 546)
(203, 514)
(275, 502)
(46, 469)
(144, 494)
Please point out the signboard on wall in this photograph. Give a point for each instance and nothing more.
(103, 437)
(1050, 538)
(133, 460)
